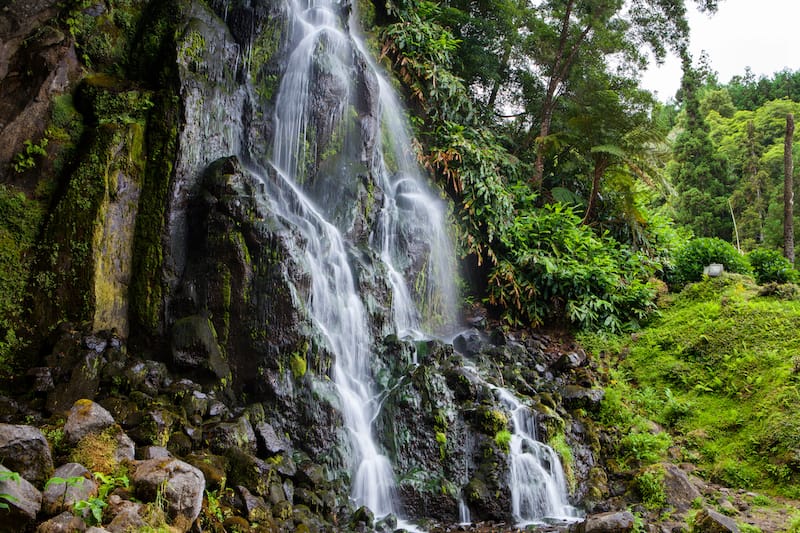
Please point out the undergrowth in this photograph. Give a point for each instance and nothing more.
(718, 372)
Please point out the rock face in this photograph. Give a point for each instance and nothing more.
(181, 486)
(23, 449)
(710, 521)
(23, 499)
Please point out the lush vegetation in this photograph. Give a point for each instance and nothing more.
(718, 371)
(574, 189)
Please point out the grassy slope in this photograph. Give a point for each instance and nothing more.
(720, 369)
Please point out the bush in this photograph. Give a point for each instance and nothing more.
(699, 253)
(769, 266)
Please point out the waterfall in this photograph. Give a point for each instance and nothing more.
(538, 487)
(409, 219)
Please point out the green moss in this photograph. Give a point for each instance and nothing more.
(298, 365)
(491, 421)
(441, 439)
(20, 220)
(559, 443)
(503, 440)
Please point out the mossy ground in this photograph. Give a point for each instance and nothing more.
(720, 371)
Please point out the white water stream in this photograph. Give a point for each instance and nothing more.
(409, 211)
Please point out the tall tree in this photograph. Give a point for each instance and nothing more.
(788, 191)
(699, 173)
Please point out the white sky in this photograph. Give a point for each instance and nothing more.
(761, 34)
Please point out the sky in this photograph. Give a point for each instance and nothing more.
(761, 34)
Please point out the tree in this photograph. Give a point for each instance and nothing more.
(788, 191)
(700, 174)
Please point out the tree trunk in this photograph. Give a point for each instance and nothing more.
(788, 191)
(599, 169)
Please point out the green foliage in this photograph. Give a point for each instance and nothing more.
(26, 159)
(727, 357)
(690, 260)
(5, 499)
(557, 267)
(503, 439)
(650, 484)
(645, 447)
(771, 266)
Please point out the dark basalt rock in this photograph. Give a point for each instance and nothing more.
(24, 450)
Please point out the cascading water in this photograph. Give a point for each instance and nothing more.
(409, 217)
(538, 487)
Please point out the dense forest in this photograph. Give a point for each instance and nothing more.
(142, 264)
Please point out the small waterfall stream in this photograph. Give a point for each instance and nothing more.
(538, 487)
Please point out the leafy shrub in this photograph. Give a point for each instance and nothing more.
(690, 260)
(553, 268)
(771, 266)
(650, 484)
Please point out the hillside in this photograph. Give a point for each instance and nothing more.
(712, 384)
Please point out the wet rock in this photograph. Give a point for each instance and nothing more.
(228, 435)
(127, 515)
(195, 347)
(569, 361)
(253, 507)
(680, 491)
(363, 517)
(213, 468)
(249, 471)
(577, 397)
(180, 484)
(42, 379)
(610, 522)
(86, 417)
(75, 484)
(25, 450)
(269, 442)
(710, 521)
(23, 499)
(150, 427)
(148, 377)
(66, 522)
(469, 343)
(311, 474)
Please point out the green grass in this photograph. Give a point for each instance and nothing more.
(720, 370)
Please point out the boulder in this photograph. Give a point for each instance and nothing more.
(24, 449)
(269, 442)
(127, 515)
(180, 485)
(195, 347)
(611, 522)
(66, 522)
(679, 489)
(70, 483)
(569, 361)
(23, 499)
(84, 418)
(709, 521)
(469, 342)
(227, 435)
(577, 397)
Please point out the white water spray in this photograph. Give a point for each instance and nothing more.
(409, 217)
